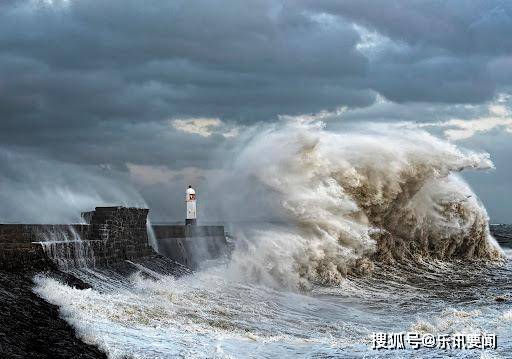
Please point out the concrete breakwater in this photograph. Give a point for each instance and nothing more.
(110, 235)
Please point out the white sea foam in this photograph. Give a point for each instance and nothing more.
(452, 321)
(507, 316)
(197, 317)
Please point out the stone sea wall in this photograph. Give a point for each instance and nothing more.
(118, 233)
(20, 243)
(110, 235)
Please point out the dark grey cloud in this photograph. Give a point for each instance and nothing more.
(166, 58)
(82, 62)
(440, 79)
(443, 51)
(457, 26)
(70, 69)
(95, 82)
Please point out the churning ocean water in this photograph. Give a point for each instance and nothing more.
(378, 234)
(204, 315)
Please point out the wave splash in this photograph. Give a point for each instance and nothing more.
(353, 199)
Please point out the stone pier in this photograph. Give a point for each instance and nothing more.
(110, 235)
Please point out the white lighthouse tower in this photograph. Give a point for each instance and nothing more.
(190, 199)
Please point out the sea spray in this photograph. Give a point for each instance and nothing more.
(42, 190)
(349, 199)
(151, 235)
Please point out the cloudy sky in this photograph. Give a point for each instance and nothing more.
(112, 98)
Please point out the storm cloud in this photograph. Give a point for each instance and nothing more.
(134, 86)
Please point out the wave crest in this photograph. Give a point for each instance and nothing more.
(355, 198)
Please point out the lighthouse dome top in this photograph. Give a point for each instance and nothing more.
(190, 190)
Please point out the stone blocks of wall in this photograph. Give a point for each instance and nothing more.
(20, 243)
(119, 233)
(112, 235)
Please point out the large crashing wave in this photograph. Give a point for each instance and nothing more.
(354, 198)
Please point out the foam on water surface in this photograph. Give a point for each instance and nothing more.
(204, 315)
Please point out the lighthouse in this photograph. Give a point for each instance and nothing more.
(190, 199)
